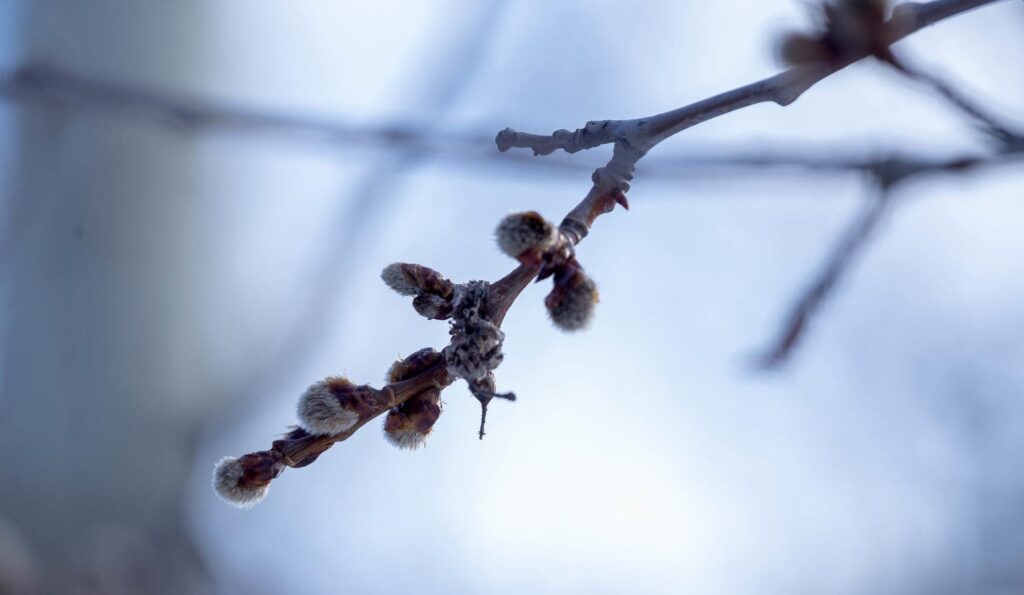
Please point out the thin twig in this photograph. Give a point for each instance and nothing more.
(891, 166)
(886, 175)
(852, 242)
(980, 116)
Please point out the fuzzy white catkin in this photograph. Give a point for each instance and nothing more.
(576, 308)
(320, 412)
(521, 232)
(226, 474)
(406, 439)
(395, 278)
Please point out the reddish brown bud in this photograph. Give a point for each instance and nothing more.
(432, 306)
(525, 236)
(850, 28)
(856, 26)
(415, 279)
(408, 425)
(244, 481)
(325, 409)
(796, 49)
(419, 361)
(571, 303)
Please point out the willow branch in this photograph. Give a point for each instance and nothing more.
(333, 409)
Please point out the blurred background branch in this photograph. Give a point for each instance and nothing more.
(50, 86)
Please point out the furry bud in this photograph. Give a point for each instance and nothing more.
(432, 307)
(244, 481)
(419, 361)
(325, 408)
(525, 235)
(408, 425)
(415, 279)
(571, 303)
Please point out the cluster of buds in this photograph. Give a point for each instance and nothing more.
(475, 349)
(849, 29)
(432, 292)
(534, 241)
(332, 409)
(473, 354)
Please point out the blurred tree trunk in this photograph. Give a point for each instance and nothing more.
(100, 367)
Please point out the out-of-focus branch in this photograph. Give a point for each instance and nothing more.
(46, 85)
(886, 174)
(632, 139)
(886, 164)
(852, 242)
(50, 85)
(985, 121)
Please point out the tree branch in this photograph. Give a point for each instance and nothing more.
(332, 409)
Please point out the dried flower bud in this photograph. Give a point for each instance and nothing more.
(475, 348)
(408, 425)
(485, 390)
(415, 279)
(571, 303)
(244, 481)
(324, 408)
(525, 235)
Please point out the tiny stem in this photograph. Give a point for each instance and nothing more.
(483, 418)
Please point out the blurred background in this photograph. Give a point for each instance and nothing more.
(170, 283)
